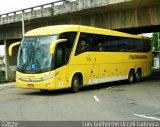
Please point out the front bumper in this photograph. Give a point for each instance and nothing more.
(35, 81)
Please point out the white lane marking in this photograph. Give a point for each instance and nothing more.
(148, 117)
(95, 97)
(108, 88)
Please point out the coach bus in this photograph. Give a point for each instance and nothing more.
(71, 56)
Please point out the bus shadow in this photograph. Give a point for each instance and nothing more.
(103, 86)
(82, 89)
(48, 93)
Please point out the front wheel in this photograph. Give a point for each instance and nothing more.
(75, 84)
(131, 77)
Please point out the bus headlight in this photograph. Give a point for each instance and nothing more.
(48, 77)
(18, 77)
(36, 79)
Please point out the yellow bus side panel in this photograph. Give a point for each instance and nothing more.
(99, 67)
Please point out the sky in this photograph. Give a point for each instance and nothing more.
(14, 5)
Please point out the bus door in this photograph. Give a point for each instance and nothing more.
(60, 65)
(87, 58)
(94, 72)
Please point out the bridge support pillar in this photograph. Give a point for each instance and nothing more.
(10, 62)
(5, 59)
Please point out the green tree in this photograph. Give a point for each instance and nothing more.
(154, 40)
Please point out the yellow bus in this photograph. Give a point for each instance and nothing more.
(71, 56)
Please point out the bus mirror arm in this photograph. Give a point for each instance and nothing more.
(54, 43)
(10, 51)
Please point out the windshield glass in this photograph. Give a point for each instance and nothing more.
(34, 54)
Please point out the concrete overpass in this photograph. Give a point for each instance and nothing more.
(134, 16)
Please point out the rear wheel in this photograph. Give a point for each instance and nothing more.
(131, 76)
(75, 84)
(138, 76)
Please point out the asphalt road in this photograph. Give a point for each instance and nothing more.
(112, 101)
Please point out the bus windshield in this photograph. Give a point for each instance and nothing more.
(34, 54)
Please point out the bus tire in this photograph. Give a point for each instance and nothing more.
(138, 76)
(131, 77)
(75, 84)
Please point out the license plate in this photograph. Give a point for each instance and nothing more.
(30, 85)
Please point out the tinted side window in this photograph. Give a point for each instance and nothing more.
(60, 54)
(84, 43)
(147, 45)
(122, 44)
(99, 43)
(112, 43)
(105, 43)
(70, 36)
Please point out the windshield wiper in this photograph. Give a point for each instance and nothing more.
(28, 60)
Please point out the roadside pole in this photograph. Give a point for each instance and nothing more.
(158, 50)
(23, 27)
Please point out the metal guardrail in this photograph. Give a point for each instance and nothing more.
(38, 7)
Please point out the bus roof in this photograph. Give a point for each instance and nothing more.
(57, 29)
(51, 30)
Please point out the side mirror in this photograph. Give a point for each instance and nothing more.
(54, 43)
(11, 47)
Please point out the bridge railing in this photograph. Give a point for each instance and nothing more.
(30, 9)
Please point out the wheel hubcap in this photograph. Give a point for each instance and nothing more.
(131, 78)
(76, 84)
